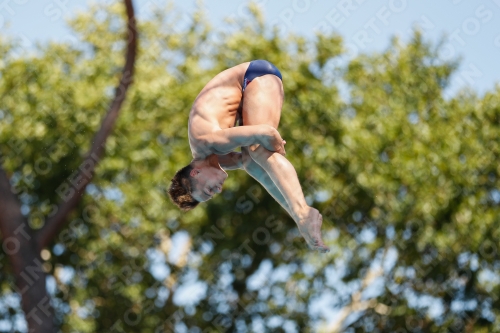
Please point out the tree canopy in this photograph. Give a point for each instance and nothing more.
(406, 179)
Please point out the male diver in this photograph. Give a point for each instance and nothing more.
(250, 94)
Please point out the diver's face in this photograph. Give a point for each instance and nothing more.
(209, 181)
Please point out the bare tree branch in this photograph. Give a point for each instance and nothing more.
(19, 241)
(84, 175)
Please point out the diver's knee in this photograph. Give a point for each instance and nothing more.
(259, 153)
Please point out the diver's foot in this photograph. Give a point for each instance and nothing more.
(310, 228)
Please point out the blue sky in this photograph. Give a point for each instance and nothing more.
(366, 25)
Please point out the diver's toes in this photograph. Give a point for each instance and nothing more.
(323, 249)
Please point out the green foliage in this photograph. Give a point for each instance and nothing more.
(401, 175)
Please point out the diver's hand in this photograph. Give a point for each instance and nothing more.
(272, 141)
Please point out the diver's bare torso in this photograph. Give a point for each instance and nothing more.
(216, 107)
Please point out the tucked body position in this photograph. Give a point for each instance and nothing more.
(249, 95)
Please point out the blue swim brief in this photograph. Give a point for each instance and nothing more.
(258, 68)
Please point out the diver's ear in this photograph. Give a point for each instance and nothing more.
(194, 172)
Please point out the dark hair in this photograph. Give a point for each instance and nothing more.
(181, 188)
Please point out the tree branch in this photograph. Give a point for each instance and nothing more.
(357, 303)
(83, 177)
(19, 245)
(10, 211)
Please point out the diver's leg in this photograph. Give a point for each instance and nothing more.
(262, 102)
